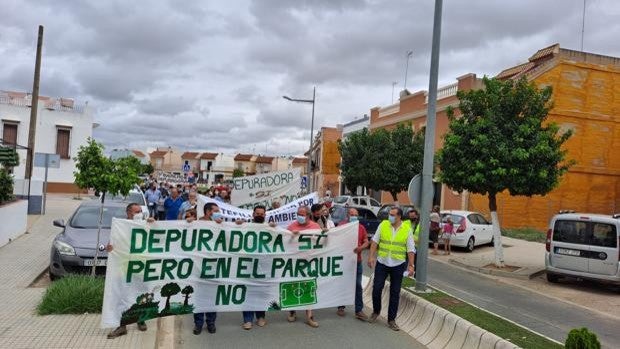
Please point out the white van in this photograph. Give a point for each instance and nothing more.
(585, 246)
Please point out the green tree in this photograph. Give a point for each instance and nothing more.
(582, 339)
(147, 168)
(94, 170)
(502, 142)
(187, 290)
(169, 290)
(237, 172)
(8, 159)
(382, 160)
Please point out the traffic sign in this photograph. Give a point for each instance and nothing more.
(415, 190)
(186, 166)
(304, 181)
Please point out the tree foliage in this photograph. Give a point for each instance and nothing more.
(94, 170)
(503, 142)
(8, 158)
(147, 168)
(383, 159)
(582, 338)
(187, 290)
(237, 172)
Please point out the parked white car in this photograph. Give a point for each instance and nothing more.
(472, 229)
(585, 246)
(359, 201)
(135, 196)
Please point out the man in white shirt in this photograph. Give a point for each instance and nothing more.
(393, 243)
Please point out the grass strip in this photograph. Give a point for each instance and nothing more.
(485, 320)
(73, 294)
(527, 234)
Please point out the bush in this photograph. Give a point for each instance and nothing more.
(6, 186)
(73, 294)
(582, 339)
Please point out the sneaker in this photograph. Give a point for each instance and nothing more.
(310, 321)
(261, 322)
(247, 325)
(117, 332)
(373, 318)
(360, 315)
(141, 326)
(292, 316)
(340, 312)
(392, 325)
(197, 330)
(211, 328)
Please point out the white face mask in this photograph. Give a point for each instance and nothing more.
(137, 217)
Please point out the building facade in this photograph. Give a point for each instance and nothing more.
(62, 127)
(325, 160)
(246, 163)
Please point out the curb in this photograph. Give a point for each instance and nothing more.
(166, 332)
(434, 326)
(517, 274)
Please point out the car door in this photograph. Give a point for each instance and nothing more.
(374, 205)
(368, 220)
(569, 245)
(362, 202)
(603, 249)
(486, 229)
(476, 229)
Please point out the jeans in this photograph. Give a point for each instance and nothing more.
(396, 279)
(248, 316)
(359, 301)
(152, 210)
(199, 319)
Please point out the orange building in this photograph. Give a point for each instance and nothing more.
(325, 157)
(586, 97)
(411, 108)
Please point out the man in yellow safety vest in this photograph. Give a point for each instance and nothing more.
(394, 245)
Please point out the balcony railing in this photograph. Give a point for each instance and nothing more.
(50, 104)
(446, 91)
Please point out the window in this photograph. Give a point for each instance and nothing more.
(159, 163)
(362, 202)
(9, 133)
(573, 232)
(604, 235)
(62, 142)
(375, 203)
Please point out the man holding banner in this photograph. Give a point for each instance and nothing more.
(211, 213)
(302, 223)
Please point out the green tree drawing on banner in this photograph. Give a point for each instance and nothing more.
(168, 291)
(187, 290)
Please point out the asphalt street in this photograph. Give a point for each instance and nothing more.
(333, 332)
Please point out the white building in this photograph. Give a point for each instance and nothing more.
(216, 168)
(62, 127)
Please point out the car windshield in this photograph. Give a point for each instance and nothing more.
(130, 198)
(341, 199)
(87, 217)
(456, 219)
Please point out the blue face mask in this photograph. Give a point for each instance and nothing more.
(216, 215)
(301, 219)
(353, 219)
(392, 219)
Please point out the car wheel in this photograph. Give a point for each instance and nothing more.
(552, 278)
(470, 244)
(52, 276)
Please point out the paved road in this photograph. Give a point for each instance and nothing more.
(545, 315)
(334, 332)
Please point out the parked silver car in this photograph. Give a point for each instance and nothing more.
(585, 246)
(73, 250)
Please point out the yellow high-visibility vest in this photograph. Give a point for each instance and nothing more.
(394, 246)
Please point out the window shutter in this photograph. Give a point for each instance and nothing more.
(9, 134)
(62, 143)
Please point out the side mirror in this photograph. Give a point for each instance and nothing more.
(59, 223)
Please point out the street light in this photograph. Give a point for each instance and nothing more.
(409, 54)
(313, 100)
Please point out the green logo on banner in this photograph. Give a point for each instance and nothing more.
(297, 293)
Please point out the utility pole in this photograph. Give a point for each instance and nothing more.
(429, 153)
(313, 102)
(34, 104)
(409, 54)
(393, 85)
(583, 23)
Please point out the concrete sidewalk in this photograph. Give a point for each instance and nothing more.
(523, 259)
(21, 262)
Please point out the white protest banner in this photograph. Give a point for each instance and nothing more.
(263, 189)
(282, 216)
(175, 267)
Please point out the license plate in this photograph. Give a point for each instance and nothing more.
(100, 262)
(568, 252)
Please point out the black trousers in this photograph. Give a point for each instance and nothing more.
(396, 279)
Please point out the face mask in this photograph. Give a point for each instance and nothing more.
(392, 219)
(353, 219)
(259, 219)
(216, 215)
(137, 216)
(301, 219)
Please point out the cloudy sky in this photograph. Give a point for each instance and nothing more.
(209, 75)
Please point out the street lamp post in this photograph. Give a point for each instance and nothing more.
(312, 101)
(409, 54)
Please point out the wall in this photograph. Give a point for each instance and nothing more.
(586, 100)
(45, 142)
(14, 220)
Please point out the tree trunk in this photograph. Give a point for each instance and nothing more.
(92, 270)
(186, 298)
(395, 197)
(497, 233)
